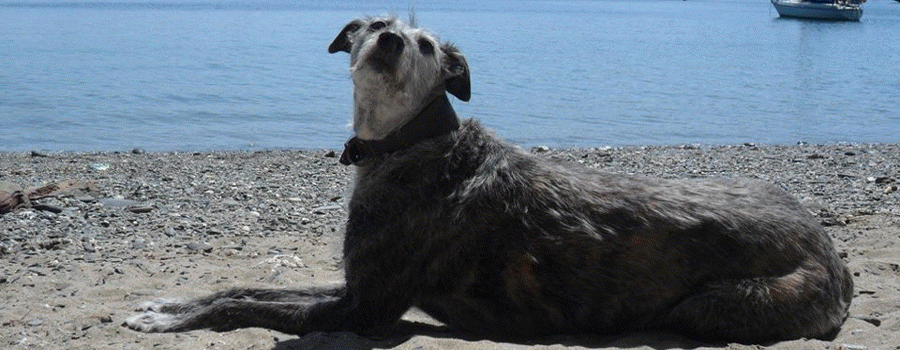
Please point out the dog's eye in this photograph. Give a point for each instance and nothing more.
(377, 25)
(425, 47)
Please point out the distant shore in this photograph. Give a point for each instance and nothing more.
(149, 225)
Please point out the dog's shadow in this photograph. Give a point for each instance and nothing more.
(407, 330)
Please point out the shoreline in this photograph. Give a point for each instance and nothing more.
(168, 224)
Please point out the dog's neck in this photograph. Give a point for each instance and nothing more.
(436, 119)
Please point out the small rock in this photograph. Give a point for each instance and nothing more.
(99, 166)
(890, 189)
(850, 153)
(119, 203)
(280, 260)
(138, 150)
(540, 149)
(38, 154)
(48, 207)
(324, 208)
(198, 246)
(330, 154)
(86, 198)
(853, 347)
(883, 180)
(35, 322)
(140, 209)
(170, 231)
(815, 156)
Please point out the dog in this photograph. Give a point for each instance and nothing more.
(489, 239)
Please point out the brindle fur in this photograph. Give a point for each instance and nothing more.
(490, 239)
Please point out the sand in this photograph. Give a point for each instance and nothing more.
(163, 225)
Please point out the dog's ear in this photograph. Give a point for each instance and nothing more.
(457, 70)
(342, 41)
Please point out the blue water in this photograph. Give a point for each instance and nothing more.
(184, 75)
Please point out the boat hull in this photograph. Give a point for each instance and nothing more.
(817, 11)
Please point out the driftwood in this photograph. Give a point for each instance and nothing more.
(13, 196)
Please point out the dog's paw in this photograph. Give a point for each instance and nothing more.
(158, 305)
(152, 322)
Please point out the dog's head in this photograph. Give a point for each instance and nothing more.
(396, 69)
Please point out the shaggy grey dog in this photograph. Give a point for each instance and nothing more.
(489, 239)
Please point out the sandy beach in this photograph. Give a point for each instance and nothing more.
(138, 226)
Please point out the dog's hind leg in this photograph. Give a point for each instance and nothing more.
(808, 302)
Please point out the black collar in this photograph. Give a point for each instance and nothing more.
(437, 119)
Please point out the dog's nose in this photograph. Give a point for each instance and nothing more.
(390, 43)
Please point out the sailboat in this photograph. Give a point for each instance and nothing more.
(837, 10)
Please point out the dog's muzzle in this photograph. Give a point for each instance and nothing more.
(387, 52)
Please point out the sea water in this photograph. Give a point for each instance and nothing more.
(181, 75)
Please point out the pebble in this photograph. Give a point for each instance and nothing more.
(199, 246)
(140, 209)
(86, 198)
(47, 207)
(853, 347)
(119, 203)
(99, 166)
(324, 208)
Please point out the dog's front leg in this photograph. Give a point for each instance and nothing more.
(227, 314)
(351, 312)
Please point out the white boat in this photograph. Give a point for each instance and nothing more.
(838, 10)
